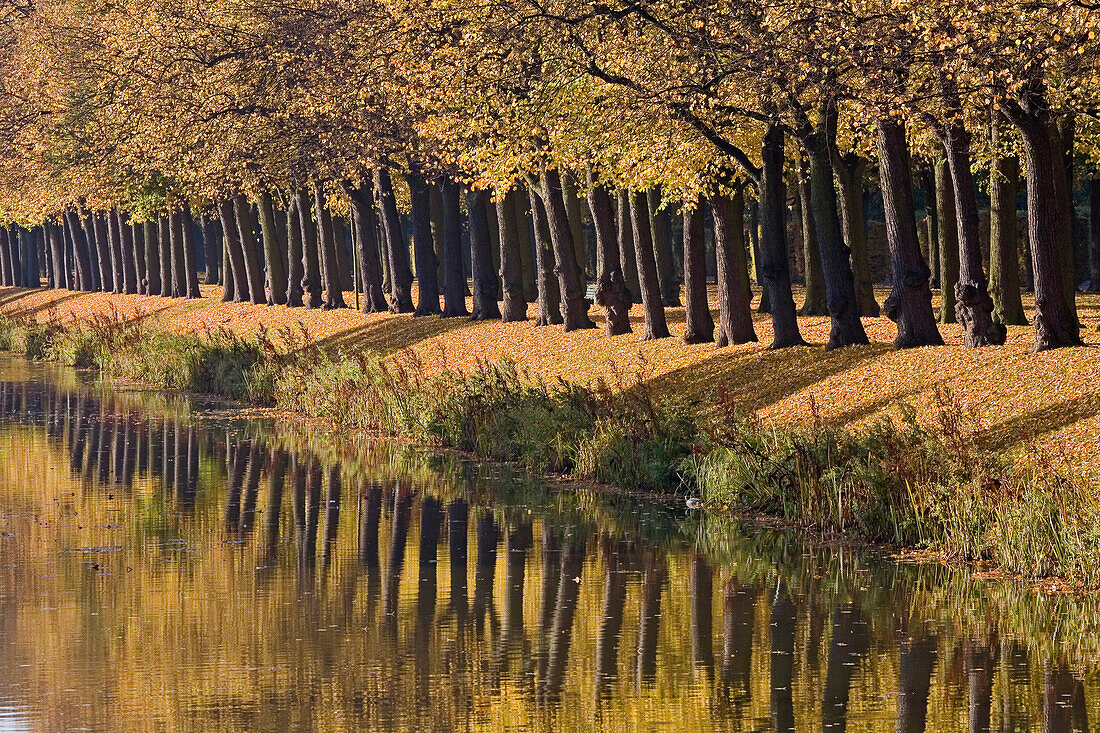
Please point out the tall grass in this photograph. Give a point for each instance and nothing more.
(898, 481)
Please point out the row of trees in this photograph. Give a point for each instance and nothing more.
(515, 131)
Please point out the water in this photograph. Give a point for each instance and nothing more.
(171, 565)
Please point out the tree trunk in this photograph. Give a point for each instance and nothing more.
(526, 244)
(125, 253)
(250, 248)
(662, 250)
(481, 257)
(511, 265)
(734, 297)
(11, 250)
(973, 306)
(849, 170)
(191, 270)
(774, 268)
(1094, 236)
(118, 269)
(326, 239)
(815, 303)
(295, 254)
(612, 293)
(211, 249)
(311, 258)
(949, 241)
(699, 325)
(164, 239)
(574, 306)
(397, 250)
(275, 252)
(343, 264)
(782, 620)
(235, 254)
(846, 328)
(628, 256)
(1056, 323)
(549, 298)
(366, 247)
(179, 273)
(454, 271)
(427, 300)
(55, 237)
(85, 273)
(655, 324)
(95, 229)
(494, 246)
(138, 234)
(152, 259)
(910, 301)
(576, 223)
(7, 278)
(1066, 129)
(1004, 252)
(928, 190)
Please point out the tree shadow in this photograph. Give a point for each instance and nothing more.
(1047, 419)
(10, 302)
(391, 334)
(756, 379)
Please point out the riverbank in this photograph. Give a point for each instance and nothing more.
(987, 454)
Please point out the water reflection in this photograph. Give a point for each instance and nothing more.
(154, 576)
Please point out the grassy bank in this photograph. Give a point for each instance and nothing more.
(898, 480)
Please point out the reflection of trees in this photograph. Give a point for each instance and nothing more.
(850, 641)
(783, 616)
(654, 572)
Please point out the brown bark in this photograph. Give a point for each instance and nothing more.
(294, 252)
(735, 324)
(652, 306)
(481, 257)
(910, 301)
(511, 263)
(774, 267)
(235, 255)
(1094, 236)
(612, 293)
(574, 306)
(420, 196)
(1004, 252)
(275, 251)
(850, 170)
(662, 250)
(454, 271)
(973, 306)
(949, 241)
(1056, 323)
(326, 238)
(699, 323)
(815, 303)
(397, 251)
(365, 226)
(250, 250)
(549, 298)
(628, 258)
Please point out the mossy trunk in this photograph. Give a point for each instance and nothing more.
(931, 221)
